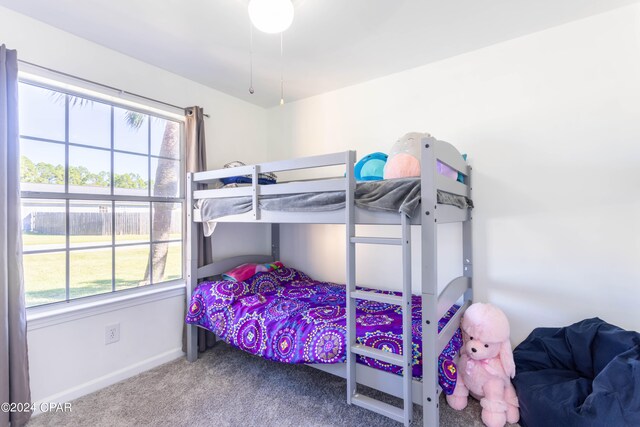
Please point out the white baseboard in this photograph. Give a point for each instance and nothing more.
(109, 379)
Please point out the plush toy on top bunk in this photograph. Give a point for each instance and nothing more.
(486, 366)
(370, 167)
(404, 159)
(235, 181)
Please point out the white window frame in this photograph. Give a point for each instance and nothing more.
(89, 305)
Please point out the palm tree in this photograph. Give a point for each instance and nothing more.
(165, 185)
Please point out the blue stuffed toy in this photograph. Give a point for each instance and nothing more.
(370, 167)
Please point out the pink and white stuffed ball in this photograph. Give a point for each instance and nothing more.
(404, 157)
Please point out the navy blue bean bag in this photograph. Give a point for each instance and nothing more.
(584, 375)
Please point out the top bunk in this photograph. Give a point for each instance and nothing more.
(338, 199)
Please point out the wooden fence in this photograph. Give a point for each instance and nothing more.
(94, 223)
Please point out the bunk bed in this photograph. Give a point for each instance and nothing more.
(427, 201)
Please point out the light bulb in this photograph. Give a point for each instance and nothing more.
(271, 16)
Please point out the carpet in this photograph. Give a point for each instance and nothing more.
(228, 387)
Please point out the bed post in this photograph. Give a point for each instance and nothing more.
(275, 242)
(467, 241)
(407, 334)
(429, 277)
(191, 267)
(350, 231)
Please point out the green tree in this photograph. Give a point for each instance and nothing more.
(40, 173)
(46, 173)
(27, 170)
(129, 180)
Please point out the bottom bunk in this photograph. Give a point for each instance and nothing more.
(285, 316)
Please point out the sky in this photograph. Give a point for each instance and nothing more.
(42, 115)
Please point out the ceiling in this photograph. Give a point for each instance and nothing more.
(331, 44)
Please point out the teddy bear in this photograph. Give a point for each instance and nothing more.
(486, 366)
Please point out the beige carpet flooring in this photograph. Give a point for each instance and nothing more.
(228, 387)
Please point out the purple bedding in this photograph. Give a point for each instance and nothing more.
(284, 315)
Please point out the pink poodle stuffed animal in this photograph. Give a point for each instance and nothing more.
(486, 366)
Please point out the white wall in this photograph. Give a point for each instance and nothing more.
(70, 358)
(551, 122)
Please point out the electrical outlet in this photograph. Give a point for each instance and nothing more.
(112, 333)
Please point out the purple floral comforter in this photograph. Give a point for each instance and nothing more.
(284, 315)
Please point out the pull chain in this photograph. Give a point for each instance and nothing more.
(281, 71)
(251, 91)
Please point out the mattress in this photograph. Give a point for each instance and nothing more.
(391, 195)
(286, 316)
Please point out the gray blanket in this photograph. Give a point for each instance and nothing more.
(393, 195)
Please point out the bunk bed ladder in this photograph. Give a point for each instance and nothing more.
(404, 414)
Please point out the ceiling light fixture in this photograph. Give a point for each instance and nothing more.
(271, 16)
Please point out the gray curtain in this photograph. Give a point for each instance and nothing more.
(14, 363)
(196, 162)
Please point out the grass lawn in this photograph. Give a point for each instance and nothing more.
(90, 271)
(29, 239)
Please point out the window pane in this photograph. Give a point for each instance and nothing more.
(44, 278)
(41, 166)
(41, 112)
(89, 122)
(89, 223)
(89, 272)
(132, 222)
(147, 235)
(131, 266)
(165, 138)
(43, 224)
(89, 170)
(167, 221)
(131, 131)
(167, 261)
(165, 180)
(130, 174)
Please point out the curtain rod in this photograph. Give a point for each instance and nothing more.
(124, 92)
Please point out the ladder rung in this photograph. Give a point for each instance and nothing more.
(377, 240)
(374, 353)
(378, 297)
(381, 408)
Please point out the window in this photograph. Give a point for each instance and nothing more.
(102, 198)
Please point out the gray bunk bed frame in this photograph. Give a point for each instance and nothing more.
(434, 304)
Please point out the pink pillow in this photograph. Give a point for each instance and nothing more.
(246, 271)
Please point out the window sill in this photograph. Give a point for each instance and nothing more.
(43, 317)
